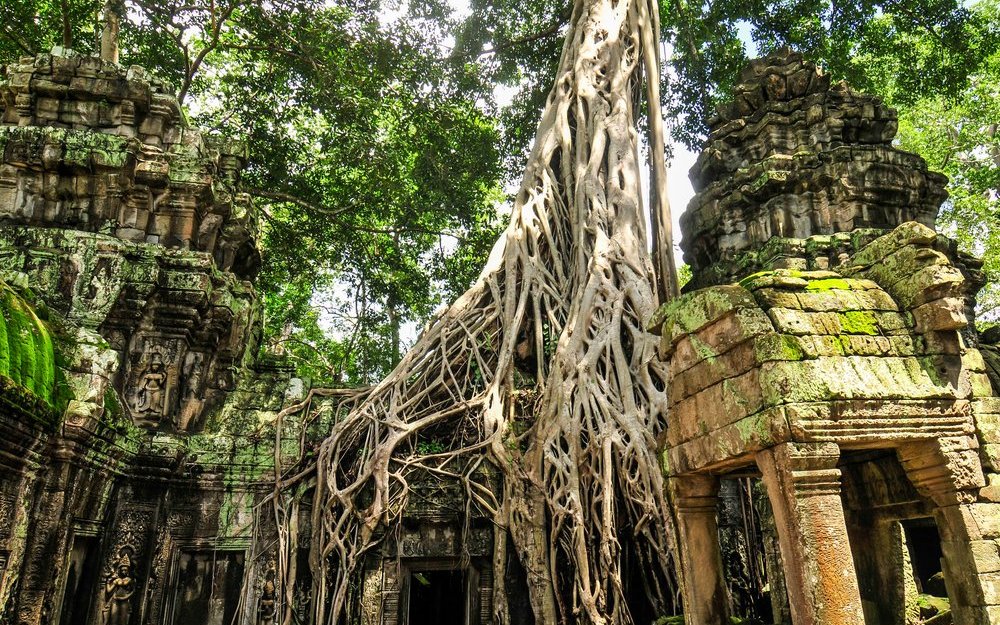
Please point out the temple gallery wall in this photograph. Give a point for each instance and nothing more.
(834, 439)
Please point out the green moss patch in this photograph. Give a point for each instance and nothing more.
(829, 284)
(27, 357)
(858, 322)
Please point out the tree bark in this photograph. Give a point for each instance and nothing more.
(564, 301)
(67, 30)
(110, 31)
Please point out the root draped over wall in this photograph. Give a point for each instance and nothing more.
(558, 314)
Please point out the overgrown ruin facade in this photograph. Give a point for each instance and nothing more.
(828, 346)
(825, 347)
(138, 417)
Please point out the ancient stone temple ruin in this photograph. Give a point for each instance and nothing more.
(832, 450)
(132, 448)
(137, 433)
(826, 348)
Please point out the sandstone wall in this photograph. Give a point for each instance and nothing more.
(138, 418)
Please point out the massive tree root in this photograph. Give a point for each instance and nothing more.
(558, 315)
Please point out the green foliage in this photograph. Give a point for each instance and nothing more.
(378, 153)
(31, 26)
(430, 447)
(901, 49)
(958, 136)
(684, 275)
(27, 356)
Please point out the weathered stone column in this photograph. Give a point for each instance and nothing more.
(885, 572)
(947, 470)
(803, 484)
(704, 589)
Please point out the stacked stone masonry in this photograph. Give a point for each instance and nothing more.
(93, 146)
(828, 346)
(791, 161)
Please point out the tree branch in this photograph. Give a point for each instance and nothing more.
(281, 196)
(218, 21)
(16, 39)
(549, 31)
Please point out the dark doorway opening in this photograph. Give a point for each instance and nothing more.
(516, 585)
(81, 578)
(924, 544)
(208, 586)
(750, 559)
(437, 597)
(638, 579)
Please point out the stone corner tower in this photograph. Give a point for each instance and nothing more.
(826, 350)
(792, 165)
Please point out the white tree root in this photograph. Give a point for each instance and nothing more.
(558, 314)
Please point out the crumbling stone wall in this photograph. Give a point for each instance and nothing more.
(93, 146)
(138, 418)
(828, 344)
(792, 168)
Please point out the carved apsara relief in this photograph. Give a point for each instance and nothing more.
(167, 382)
(119, 587)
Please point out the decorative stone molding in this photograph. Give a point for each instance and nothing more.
(98, 147)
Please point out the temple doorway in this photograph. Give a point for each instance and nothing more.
(82, 579)
(207, 587)
(438, 597)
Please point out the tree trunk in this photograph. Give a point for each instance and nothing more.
(67, 30)
(564, 301)
(392, 310)
(110, 31)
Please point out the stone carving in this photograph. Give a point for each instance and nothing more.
(268, 602)
(6, 514)
(80, 124)
(193, 373)
(794, 157)
(150, 400)
(130, 231)
(118, 590)
(130, 536)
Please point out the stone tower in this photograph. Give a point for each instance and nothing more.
(827, 346)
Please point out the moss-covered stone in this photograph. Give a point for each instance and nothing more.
(910, 233)
(693, 311)
(858, 322)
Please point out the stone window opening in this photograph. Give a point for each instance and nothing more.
(895, 542)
